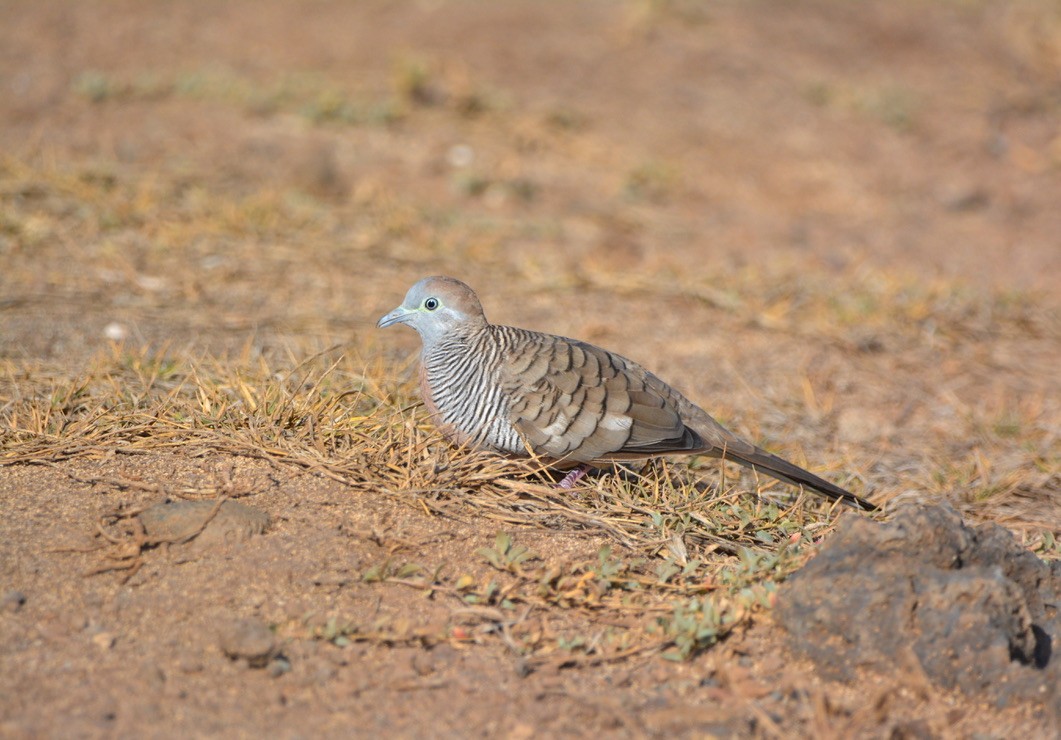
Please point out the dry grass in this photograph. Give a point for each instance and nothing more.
(701, 553)
(698, 556)
(272, 256)
(848, 264)
(695, 556)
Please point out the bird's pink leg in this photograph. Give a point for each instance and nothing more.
(574, 477)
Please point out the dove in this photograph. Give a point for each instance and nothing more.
(519, 392)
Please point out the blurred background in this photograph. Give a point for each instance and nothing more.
(830, 223)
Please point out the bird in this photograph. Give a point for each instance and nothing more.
(521, 393)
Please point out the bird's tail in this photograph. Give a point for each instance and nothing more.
(720, 442)
(774, 466)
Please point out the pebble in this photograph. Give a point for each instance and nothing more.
(234, 522)
(104, 640)
(115, 332)
(279, 666)
(12, 601)
(423, 663)
(250, 640)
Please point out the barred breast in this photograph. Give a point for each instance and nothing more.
(459, 381)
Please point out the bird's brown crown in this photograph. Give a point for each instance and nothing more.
(453, 293)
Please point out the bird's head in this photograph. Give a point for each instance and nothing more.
(437, 306)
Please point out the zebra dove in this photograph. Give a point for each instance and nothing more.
(518, 392)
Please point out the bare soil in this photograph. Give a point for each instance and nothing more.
(835, 225)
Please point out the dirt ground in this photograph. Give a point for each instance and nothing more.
(834, 225)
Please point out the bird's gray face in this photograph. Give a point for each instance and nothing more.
(436, 307)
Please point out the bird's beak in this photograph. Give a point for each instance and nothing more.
(398, 316)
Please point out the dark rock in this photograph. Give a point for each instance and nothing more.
(967, 606)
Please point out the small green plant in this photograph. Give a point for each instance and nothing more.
(96, 86)
(652, 181)
(505, 554)
(1008, 425)
(388, 569)
(697, 624)
(1047, 546)
(412, 80)
(330, 105)
(470, 184)
(752, 566)
(608, 567)
(670, 568)
(571, 644)
(487, 595)
(336, 631)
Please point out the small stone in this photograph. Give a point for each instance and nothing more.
(460, 155)
(115, 332)
(423, 663)
(250, 640)
(279, 666)
(12, 601)
(523, 667)
(151, 675)
(966, 197)
(75, 622)
(104, 640)
(176, 520)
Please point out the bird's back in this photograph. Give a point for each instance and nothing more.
(576, 402)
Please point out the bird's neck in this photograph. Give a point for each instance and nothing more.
(456, 339)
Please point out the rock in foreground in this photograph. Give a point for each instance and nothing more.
(967, 606)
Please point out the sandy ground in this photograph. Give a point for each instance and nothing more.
(834, 225)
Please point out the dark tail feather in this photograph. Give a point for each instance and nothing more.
(797, 476)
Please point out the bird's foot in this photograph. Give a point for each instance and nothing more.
(574, 477)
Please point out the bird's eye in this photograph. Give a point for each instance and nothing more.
(431, 304)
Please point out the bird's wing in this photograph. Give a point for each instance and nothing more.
(573, 401)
